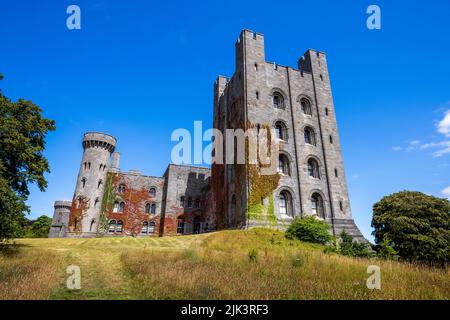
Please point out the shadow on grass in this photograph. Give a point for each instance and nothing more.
(11, 249)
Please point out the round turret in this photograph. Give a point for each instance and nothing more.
(97, 150)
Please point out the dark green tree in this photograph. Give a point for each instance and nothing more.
(23, 130)
(39, 228)
(416, 225)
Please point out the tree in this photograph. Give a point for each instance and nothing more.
(309, 229)
(39, 228)
(416, 225)
(23, 130)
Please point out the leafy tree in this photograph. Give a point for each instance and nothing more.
(39, 228)
(309, 229)
(417, 226)
(22, 141)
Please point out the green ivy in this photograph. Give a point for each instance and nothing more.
(108, 200)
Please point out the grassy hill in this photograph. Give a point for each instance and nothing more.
(253, 264)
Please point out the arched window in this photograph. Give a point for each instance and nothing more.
(313, 168)
(121, 188)
(278, 100)
(112, 226)
(119, 226)
(283, 165)
(285, 203)
(180, 226)
(121, 207)
(99, 183)
(116, 206)
(182, 202)
(144, 227)
(147, 208)
(310, 136)
(153, 208)
(152, 192)
(281, 130)
(100, 168)
(83, 181)
(306, 106)
(151, 227)
(189, 202)
(317, 205)
(96, 202)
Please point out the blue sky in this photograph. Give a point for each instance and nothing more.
(140, 69)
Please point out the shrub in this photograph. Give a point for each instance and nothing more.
(386, 251)
(309, 229)
(348, 247)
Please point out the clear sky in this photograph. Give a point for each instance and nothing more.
(140, 69)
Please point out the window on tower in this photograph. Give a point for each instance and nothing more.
(310, 136)
(313, 168)
(306, 106)
(281, 130)
(278, 100)
(283, 165)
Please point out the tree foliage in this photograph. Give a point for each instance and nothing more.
(348, 247)
(39, 228)
(417, 226)
(309, 229)
(23, 130)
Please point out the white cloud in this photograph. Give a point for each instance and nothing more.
(446, 192)
(442, 147)
(444, 124)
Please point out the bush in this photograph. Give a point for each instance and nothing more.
(348, 247)
(309, 229)
(418, 225)
(386, 251)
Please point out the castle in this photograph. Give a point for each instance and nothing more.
(296, 103)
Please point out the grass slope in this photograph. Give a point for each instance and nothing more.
(207, 266)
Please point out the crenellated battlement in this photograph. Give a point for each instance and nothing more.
(99, 140)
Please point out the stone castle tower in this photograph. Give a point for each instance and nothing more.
(297, 103)
(60, 219)
(90, 185)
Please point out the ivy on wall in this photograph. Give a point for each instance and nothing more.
(261, 187)
(108, 200)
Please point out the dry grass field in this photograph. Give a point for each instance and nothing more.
(253, 264)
